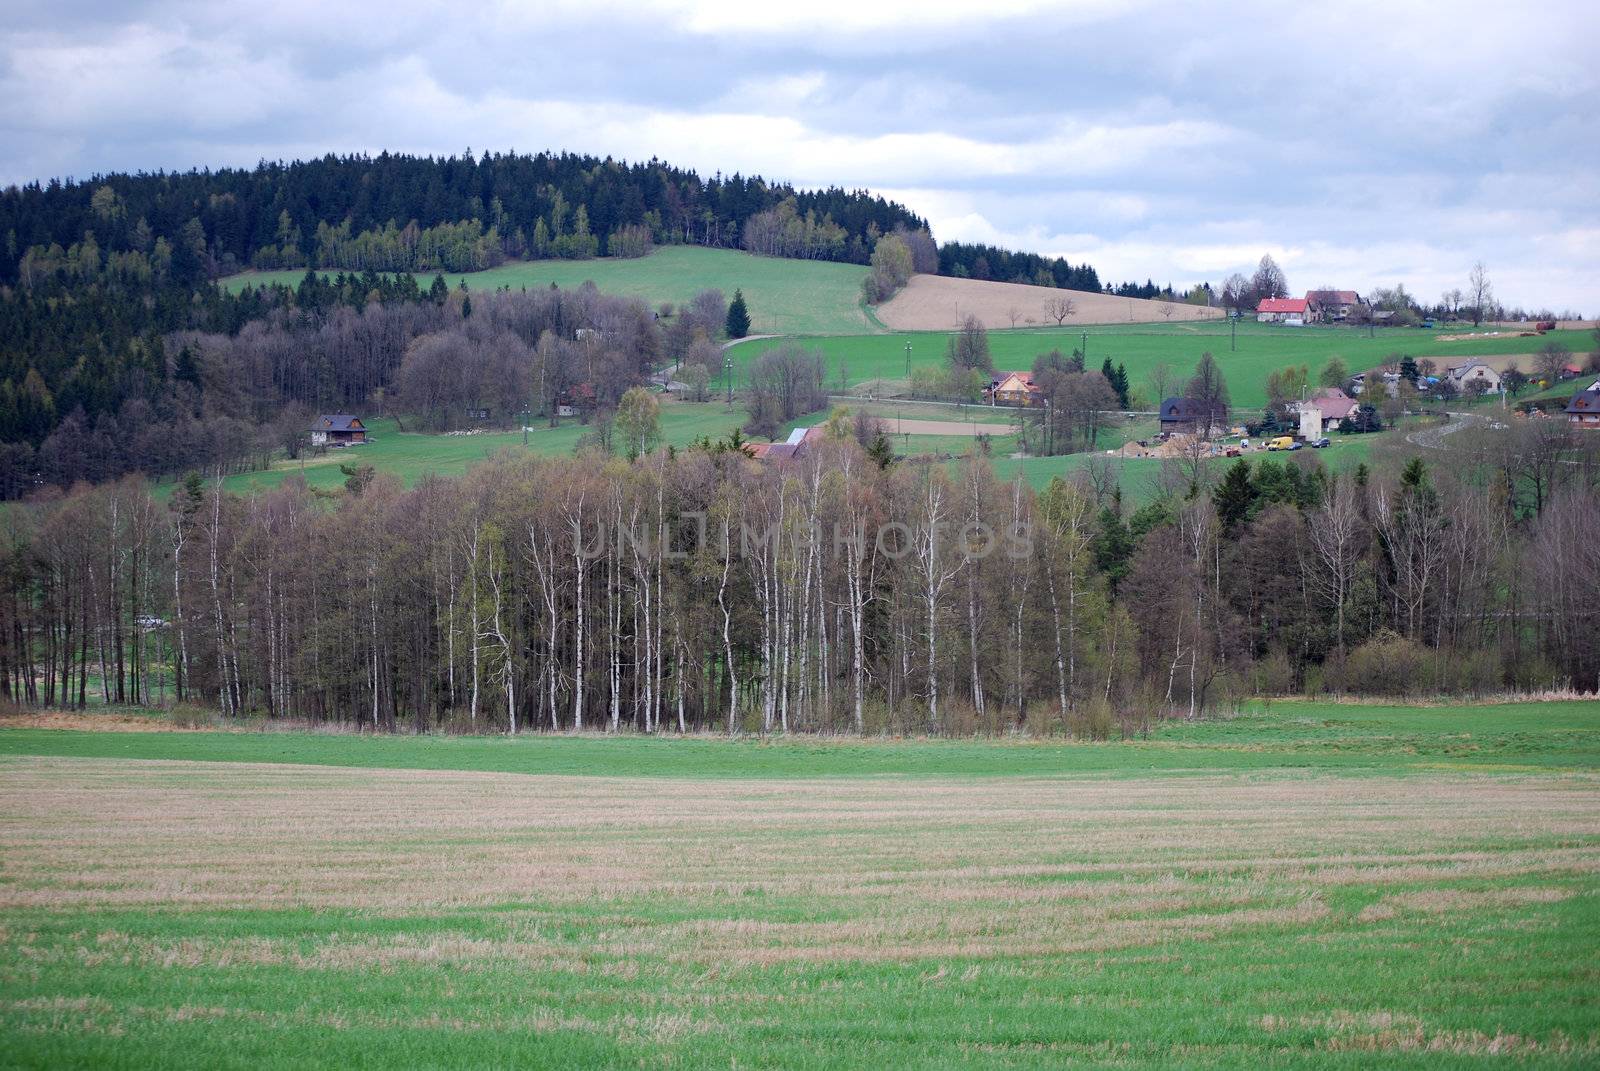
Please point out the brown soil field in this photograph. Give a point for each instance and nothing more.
(938, 303)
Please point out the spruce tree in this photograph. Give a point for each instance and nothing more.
(738, 316)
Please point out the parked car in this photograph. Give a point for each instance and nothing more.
(1321, 444)
(1282, 442)
(1232, 451)
(1297, 445)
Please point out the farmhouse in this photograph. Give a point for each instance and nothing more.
(1181, 414)
(1331, 306)
(1465, 376)
(1331, 406)
(1584, 409)
(338, 429)
(1014, 388)
(1290, 311)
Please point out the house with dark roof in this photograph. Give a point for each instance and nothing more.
(338, 429)
(1465, 377)
(1584, 409)
(1182, 414)
(1331, 306)
(1290, 311)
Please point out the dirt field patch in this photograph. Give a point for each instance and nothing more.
(938, 303)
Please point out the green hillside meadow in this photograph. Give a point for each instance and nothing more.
(805, 297)
(1260, 350)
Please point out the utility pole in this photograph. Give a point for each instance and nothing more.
(1233, 331)
(908, 360)
(727, 372)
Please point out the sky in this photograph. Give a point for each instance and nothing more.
(1362, 144)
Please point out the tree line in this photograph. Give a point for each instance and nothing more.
(101, 380)
(212, 222)
(837, 592)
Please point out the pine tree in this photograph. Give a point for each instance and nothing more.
(880, 451)
(1235, 496)
(738, 316)
(439, 290)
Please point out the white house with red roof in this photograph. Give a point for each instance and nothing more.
(1290, 311)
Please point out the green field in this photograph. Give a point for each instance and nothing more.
(1309, 885)
(413, 455)
(1262, 348)
(806, 297)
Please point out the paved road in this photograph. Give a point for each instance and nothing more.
(1432, 437)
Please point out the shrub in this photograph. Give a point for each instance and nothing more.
(1387, 664)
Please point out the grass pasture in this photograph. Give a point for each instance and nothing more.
(1262, 349)
(1310, 885)
(807, 297)
(413, 455)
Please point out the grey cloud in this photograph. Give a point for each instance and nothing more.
(1364, 146)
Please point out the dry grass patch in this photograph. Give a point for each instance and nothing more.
(881, 870)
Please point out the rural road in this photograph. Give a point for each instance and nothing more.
(1432, 438)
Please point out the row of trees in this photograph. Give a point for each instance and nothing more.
(699, 590)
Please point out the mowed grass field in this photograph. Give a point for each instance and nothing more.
(1311, 885)
(413, 455)
(1262, 349)
(807, 297)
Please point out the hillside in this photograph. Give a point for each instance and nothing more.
(1247, 356)
(935, 302)
(805, 297)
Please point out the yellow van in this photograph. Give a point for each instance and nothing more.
(1282, 442)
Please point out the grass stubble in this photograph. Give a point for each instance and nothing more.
(158, 912)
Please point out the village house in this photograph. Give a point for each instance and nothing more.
(1330, 405)
(1289, 311)
(1583, 411)
(1014, 388)
(338, 429)
(1331, 306)
(1465, 376)
(1181, 415)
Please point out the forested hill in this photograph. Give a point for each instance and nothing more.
(411, 213)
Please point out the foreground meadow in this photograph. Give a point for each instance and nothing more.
(1309, 886)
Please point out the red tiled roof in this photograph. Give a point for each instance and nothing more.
(1282, 304)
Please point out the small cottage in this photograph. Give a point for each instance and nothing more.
(1583, 411)
(1288, 311)
(338, 429)
(1014, 388)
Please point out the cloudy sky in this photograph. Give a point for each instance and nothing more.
(1361, 143)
